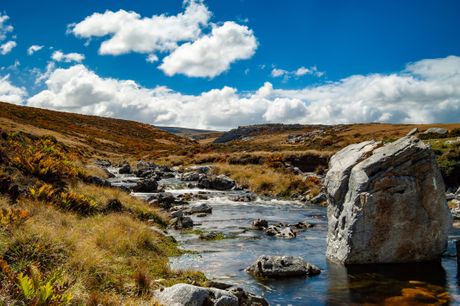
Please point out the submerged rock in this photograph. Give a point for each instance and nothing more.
(282, 266)
(200, 208)
(260, 224)
(386, 204)
(282, 232)
(181, 222)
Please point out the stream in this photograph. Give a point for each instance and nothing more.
(225, 260)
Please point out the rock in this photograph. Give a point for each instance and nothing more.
(211, 236)
(246, 197)
(163, 199)
(125, 169)
(386, 205)
(436, 130)
(198, 208)
(412, 132)
(319, 199)
(260, 224)
(220, 182)
(191, 176)
(181, 223)
(199, 169)
(456, 208)
(143, 165)
(247, 298)
(189, 295)
(177, 214)
(282, 266)
(147, 185)
(302, 225)
(286, 232)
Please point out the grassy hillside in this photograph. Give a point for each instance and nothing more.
(63, 240)
(99, 135)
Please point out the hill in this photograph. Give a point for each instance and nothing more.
(195, 134)
(99, 135)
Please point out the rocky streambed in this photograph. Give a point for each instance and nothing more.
(227, 230)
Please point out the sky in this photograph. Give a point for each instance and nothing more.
(220, 64)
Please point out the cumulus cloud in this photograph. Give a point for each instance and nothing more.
(60, 56)
(10, 93)
(7, 47)
(211, 54)
(132, 33)
(425, 91)
(34, 48)
(192, 52)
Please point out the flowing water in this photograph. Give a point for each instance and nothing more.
(225, 259)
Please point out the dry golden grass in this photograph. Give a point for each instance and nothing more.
(102, 254)
(264, 180)
(139, 208)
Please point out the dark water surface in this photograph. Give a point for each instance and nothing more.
(225, 260)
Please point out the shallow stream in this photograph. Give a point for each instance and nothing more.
(225, 259)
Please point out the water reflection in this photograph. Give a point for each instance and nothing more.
(388, 284)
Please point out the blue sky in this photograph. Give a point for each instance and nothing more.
(243, 62)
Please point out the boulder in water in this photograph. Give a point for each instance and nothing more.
(220, 182)
(282, 266)
(125, 169)
(147, 185)
(386, 204)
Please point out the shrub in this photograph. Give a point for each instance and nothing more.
(38, 290)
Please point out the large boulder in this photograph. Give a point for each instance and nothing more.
(282, 266)
(189, 295)
(386, 204)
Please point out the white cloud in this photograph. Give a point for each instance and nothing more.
(302, 71)
(151, 58)
(132, 33)
(59, 56)
(4, 28)
(10, 93)
(34, 48)
(7, 47)
(279, 72)
(212, 54)
(425, 91)
(299, 72)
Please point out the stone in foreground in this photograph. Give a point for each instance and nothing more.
(189, 295)
(386, 204)
(282, 266)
